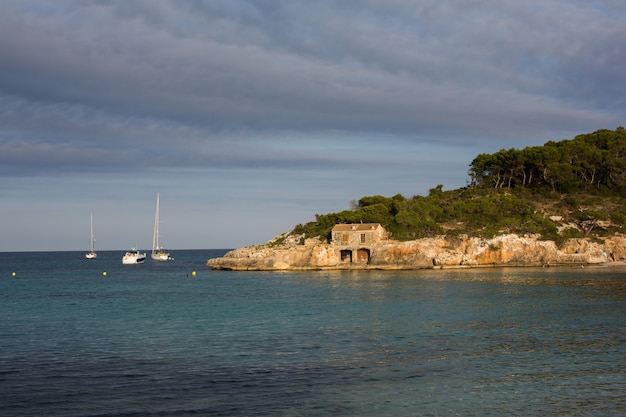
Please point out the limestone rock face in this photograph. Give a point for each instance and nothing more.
(441, 252)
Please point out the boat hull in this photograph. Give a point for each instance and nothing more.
(91, 255)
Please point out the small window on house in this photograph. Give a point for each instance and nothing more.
(344, 238)
(362, 237)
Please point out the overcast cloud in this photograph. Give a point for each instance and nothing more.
(250, 117)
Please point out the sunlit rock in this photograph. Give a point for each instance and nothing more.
(441, 252)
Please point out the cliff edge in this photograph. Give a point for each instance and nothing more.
(427, 253)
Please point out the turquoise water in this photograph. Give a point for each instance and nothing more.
(153, 339)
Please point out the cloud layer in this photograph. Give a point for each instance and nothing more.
(393, 96)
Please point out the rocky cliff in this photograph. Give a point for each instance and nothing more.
(441, 252)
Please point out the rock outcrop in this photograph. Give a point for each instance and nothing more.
(440, 252)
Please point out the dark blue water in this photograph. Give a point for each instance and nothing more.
(155, 340)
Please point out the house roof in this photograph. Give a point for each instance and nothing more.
(356, 227)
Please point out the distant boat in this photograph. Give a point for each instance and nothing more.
(158, 253)
(133, 256)
(91, 254)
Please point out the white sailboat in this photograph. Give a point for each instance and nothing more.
(158, 253)
(91, 254)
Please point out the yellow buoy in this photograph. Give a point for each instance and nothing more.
(193, 273)
(104, 274)
(13, 274)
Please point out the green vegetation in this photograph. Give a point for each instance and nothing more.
(580, 181)
(594, 162)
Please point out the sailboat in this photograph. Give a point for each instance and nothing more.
(158, 253)
(91, 254)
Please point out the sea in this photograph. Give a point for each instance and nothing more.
(97, 338)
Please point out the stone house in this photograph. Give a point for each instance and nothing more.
(355, 241)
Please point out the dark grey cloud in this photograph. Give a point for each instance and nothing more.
(348, 65)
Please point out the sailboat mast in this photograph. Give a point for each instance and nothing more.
(155, 237)
(91, 228)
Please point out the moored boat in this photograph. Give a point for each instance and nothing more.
(158, 253)
(92, 253)
(133, 256)
(161, 254)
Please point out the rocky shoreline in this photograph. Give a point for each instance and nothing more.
(427, 253)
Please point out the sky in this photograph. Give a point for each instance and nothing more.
(250, 117)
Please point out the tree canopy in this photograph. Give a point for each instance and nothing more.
(593, 162)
